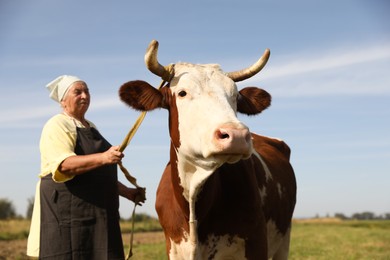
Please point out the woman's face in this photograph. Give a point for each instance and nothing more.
(76, 100)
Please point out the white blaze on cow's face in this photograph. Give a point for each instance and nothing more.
(206, 100)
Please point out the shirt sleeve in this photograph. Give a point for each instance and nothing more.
(57, 143)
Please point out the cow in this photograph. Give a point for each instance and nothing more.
(226, 193)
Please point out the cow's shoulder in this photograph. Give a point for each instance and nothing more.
(279, 189)
(274, 155)
(263, 144)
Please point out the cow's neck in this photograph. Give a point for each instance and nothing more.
(192, 178)
(188, 180)
(176, 184)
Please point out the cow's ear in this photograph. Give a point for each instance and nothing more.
(140, 95)
(252, 100)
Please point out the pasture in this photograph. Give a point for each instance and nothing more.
(311, 239)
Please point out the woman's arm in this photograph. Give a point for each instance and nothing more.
(79, 164)
(136, 195)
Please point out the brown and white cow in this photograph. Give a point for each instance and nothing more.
(226, 193)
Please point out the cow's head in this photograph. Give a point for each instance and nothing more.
(203, 102)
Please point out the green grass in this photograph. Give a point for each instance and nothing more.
(14, 229)
(313, 239)
(317, 240)
(149, 225)
(340, 240)
(154, 251)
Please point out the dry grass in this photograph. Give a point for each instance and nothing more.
(14, 229)
(317, 220)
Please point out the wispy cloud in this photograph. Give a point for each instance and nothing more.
(33, 112)
(86, 60)
(332, 60)
(342, 71)
(24, 113)
(103, 103)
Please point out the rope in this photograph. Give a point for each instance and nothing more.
(125, 143)
(132, 179)
(132, 131)
(128, 176)
(130, 253)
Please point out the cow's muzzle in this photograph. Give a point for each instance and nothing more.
(232, 139)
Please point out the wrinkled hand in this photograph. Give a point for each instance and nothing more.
(112, 155)
(137, 195)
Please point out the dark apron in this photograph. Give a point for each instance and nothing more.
(80, 218)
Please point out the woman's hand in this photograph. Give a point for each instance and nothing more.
(137, 195)
(112, 155)
(79, 164)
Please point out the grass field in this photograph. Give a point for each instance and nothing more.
(318, 239)
(335, 239)
(311, 239)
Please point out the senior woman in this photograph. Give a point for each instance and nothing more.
(76, 208)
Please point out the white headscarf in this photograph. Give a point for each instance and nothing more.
(60, 85)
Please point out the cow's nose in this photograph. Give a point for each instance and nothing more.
(232, 140)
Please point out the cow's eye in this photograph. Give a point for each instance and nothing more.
(182, 93)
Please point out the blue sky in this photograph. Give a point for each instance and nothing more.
(328, 75)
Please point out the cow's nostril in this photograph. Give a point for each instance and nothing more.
(222, 134)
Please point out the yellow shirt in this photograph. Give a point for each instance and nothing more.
(58, 142)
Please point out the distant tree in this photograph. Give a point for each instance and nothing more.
(141, 217)
(7, 209)
(340, 216)
(30, 207)
(369, 215)
(364, 216)
(386, 216)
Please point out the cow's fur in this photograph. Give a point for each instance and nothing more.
(218, 200)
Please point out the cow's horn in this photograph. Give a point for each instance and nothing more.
(250, 71)
(152, 63)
